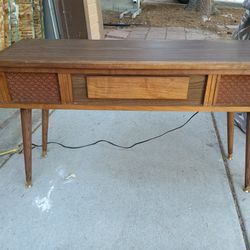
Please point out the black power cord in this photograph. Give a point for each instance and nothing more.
(239, 127)
(116, 145)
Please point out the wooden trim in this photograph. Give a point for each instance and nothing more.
(128, 107)
(4, 91)
(126, 72)
(211, 88)
(208, 89)
(203, 67)
(216, 89)
(65, 88)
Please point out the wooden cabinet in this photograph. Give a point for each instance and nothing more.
(125, 75)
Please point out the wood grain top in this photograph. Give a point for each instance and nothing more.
(113, 54)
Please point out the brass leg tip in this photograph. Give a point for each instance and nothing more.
(28, 184)
(44, 154)
(230, 157)
(247, 189)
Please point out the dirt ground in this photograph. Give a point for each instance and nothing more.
(175, 15)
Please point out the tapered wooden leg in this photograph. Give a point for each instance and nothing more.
(26, 121)
(247, 170)
(45, 125)
(230, 134)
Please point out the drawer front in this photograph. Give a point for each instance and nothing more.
(110, 87)
(193, 96)
(233, 91)
(33, 87)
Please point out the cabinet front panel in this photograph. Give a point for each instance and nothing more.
(33, 87)
(172, 90)
(233, 90)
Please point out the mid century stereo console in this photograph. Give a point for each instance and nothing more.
(125, 75)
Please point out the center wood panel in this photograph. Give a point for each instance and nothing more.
(195, 94)
(121, 87)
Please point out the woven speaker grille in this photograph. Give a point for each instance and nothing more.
(233, 90)
(33, 87)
